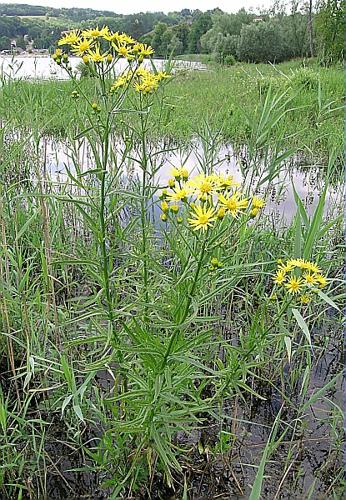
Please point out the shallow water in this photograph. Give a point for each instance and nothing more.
(43, 67)
(308, 181)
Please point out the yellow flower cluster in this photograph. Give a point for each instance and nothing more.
(299, 277)
(101, 46)
(141, 79)
(209, 197)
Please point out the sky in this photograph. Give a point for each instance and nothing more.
(133, 6)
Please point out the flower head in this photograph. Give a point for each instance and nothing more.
(279, 277)
(164, 206)
(202, 218)
(234, 204)
(96, 33)
(294, 285)
(179, 194)
(257, 202)
(321, 280)
(82, 46)
(202, 185)
(305, 298)
(309, 279)
(96, 56)
(69, 38)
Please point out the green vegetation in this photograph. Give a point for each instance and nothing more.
(162, 333)
(280, 33)
(313, 122)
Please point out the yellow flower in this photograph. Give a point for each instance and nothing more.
(175, 172)
(179, 194)
(311, 266)
(305, 264)
(226, 182)
(322, 282)
(221, 213)
(85, 59)
(309, 279)
(162, 75)
(254, 212)
(234, 203)
(296, 263)
(294, 285)
(305, 298)
(215, 262)
(280, 277)
(257, 202)
(203, 218)
(69, 38)
(171, 183)
(164, 206)
(96, 32)
(142, 50)
(174, 208)
(184, 173)
(81, 47)
(96, 56)
(179, 173)
(289, 266)
(163, 217)
(125, 52)
(120, 82)
(147, 85)
(202, 185)
(113, 37)
(163, 194)
(124, 39)
(58, 52)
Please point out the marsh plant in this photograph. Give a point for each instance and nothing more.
(135, 310)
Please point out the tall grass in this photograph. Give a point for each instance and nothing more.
(225, 97)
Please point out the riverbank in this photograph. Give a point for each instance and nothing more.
(305, 106)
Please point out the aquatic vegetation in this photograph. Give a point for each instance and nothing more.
(139, 314)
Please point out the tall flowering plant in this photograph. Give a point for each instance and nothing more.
(158, 285)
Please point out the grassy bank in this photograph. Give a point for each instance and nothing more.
(230, 99)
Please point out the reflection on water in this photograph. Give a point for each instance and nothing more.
(308, 181)
(44, 67)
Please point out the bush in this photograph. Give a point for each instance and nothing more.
(229, 60)
(262, 42)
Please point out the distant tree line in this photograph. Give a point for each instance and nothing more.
(294, 28)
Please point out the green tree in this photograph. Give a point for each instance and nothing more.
(175, 46)
(158, 39)
(200, 25)
(262, 42)
(329, 27)
(5, 43)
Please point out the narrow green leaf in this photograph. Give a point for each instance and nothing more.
(302, 324)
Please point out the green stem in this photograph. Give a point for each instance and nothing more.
(187, 306)
(144, 165)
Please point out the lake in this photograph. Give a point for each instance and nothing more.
(43, 67)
